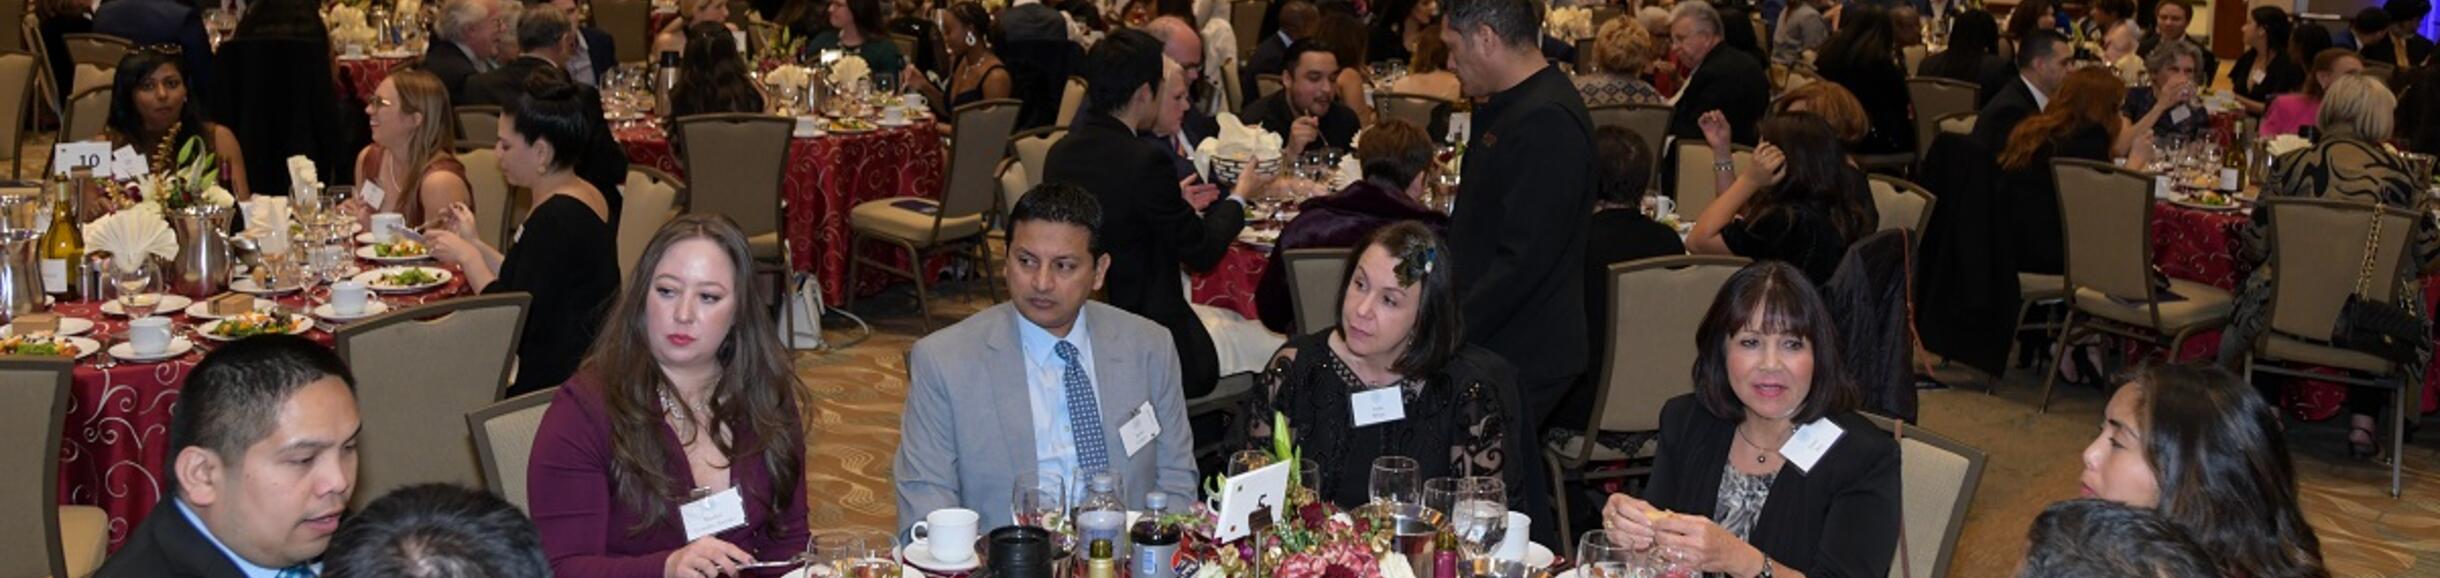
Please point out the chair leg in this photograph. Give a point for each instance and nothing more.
(2397, 440)
(2050, 376)
(991, 285)
(923, 296)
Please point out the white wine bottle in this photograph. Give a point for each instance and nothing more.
(63, 246)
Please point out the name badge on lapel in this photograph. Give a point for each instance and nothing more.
(1140, 429)
(1378, 406)
(708, 512)
(1810, 442)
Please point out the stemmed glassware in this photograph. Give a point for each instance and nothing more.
(1480, 515)
(135, 287)
(1602, 554)
(1394, 480)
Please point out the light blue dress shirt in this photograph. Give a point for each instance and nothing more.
(251, 570)
(1046, 383)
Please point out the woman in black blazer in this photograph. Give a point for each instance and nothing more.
(1766, 470)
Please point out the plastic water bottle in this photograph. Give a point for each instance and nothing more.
(1103, 515)
(1156, 543)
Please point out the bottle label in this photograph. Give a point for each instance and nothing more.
(2228, 178)
(54, 276)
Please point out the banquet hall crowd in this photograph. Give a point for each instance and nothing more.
(1479, 326)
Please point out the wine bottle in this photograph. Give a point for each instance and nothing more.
(2232, 164)
(63, 247)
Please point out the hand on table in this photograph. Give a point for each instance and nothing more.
(705, 558)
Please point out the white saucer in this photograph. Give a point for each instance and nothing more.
(246, 285)
(67, 326)
(920, 556)
(127, 352)
(372, 307)
(168, 303)
(369, 253)
(885, 123)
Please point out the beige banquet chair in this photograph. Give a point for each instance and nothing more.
(2318, 250)
(422, 366)
(478, 127)
(1033, 150)
(1935, 98)
(1940, 476)
(1071, 99)
(1902, 204)
(1649, 122)
(1317, 278)
(100, 50)
(88, 112)
(504, 442)
(47, 539)
(1230, 90)
(1265, 85)
(1246, 17)
(923, 226)
(734, 164)
(46, 88)
(651, 198)
(1419, 110)
(16, 99)
(2108, 210)
(1655, 305)
(487, 189)
(1697, 184)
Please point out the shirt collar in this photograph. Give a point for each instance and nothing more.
(1501, 100)
(2040, 100)
(243, 565)
(1041, 346)
(479, 62)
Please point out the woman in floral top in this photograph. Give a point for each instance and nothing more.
(1621, 52)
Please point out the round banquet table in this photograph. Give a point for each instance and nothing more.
(117, 427)
(360, 76)
(1231, 284)
(826, 177)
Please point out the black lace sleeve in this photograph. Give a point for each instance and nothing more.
(1483, 446)
(1268, 385)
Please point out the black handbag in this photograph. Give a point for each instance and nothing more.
(2382, 329)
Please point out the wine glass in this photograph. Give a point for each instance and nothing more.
(1394, 480)
(1440, 495)
(135, 287)
(1040, 500)
(1480, 516)
(1604, 555)
(858, 554)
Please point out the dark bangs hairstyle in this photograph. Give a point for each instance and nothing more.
(553, 110)
(1423, 263)
(715, 79)
(1772, 297)
(757, 391)
(1817, 173)
(2216, 449)
(128, 122)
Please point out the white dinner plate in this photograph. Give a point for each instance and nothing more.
(203, 309)
(372, 279)
(127, 352)
(67, 326)
(372, 307)
(84, 346)
(296, 326)
(247, 286)
(370, 253)
(168, 303)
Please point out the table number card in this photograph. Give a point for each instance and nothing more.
(91, 153)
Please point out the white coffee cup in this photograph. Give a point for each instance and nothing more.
(913, 100)
(149, 335)
(948, 533)
(893, 115)
(383, 224)
(348, 297)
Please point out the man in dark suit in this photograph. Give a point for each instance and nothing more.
(2379, 40)
(1296, 22)
(546, 37)
(2041, 64)
(1147, 223)
(1730, 81)
(152, 22)
(469, 35)
(262, 457)
(1181, 126)
(2173, 17)
(1307, 111)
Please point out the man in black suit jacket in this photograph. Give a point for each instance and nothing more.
(1730, 81)
(547, 38)
(262, 457)
(1307, 111)
(1296, 21)
(1147, 224)
(2041, 64)
(469, 35)
(1181, 126)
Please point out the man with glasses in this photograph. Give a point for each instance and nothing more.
(469, 34)
(1728, 81)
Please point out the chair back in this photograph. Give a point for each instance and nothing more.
(982, 130)
(1912, 57)
(734, 163)
(1902, 204)
(422, 366)
(1655, 306)
(1246, 17)
(16, 97)
(101, 50)
(1231, 89)
(1265, 84)
(88, 112)
(2381, 71)
(1316, 278)
(487, 187)
(1697, 184)
(1649, 122)
(34, 399)
(1421, 110)
(45, 86)
(1935, 98)
(90, 76)
(650, 199)
(478, 126)
(504, 441)
(1071, 98)
(2317, 250)
(906, 44)
(1940, 475)
(1033, 149)
(2105, 211)
(628, 22)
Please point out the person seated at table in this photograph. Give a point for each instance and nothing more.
(1972, 56)
(1399, 28)
(1798, 205)
(1354, 81)
(712, 76)
(975, 74)
(2172, 18)
(1860, 59)
(1767, 467)
(437, 531)
(2195, 444)
(296, 19)
(1621, 52)
(857, 31)
(2119, 51)
(2082, 122)
(2025, 19)
(546, 39)
(2265, 70)
(2348, 162)
(2375, 40)
(984, 405)
(1397, 157)
(1824, 99)
(565, 251)
(2290, 113)
(155, 110)
(1619, 232)
(262, 457)
(673, 38)
(2176, 81)
(408, 168)
(2088, 537)
(1398, 331)
(1729, 81)
(688, 390)
(1307, 111)
(468, 35)
(1801, 30)
(1428, 72)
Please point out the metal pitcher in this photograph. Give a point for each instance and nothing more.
(20, 272)
(204, 261)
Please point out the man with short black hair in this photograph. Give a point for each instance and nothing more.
(2041, 65)
(2378, 40)
(262, 457)
(2091, 538)
(437, 531)
(1297, 19)
(1730, 81)
(1307, 109)
(547, 39)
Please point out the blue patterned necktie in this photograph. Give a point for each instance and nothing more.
(297, 571)
(1084, 414)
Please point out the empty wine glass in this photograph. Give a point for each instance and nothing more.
(1604, 555)
(1394, 480)
(135, 287)
(1040, 500)
(1440, 495)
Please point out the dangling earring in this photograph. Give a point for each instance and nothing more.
(970, 40)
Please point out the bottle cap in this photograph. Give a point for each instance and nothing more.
(1104, 482)
(1155, 502)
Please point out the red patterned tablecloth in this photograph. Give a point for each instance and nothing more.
(826, 177)
(1231, 284)
(362, 75)
(117, 432)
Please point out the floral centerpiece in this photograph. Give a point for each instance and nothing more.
(1314, 540)
(348, 26)
(188, 179)
(1570, 24)
(779, 50)
(848, 70)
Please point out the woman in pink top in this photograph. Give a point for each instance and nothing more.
(2293, 111)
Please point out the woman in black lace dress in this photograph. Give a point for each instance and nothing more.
(1398, 328)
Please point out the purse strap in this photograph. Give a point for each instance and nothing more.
(2372, 247)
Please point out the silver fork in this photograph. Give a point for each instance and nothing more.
(108, 361)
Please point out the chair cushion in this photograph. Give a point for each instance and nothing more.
(2284, 348)
(2040, 286)
(764, 246)
(884, 218)
(1963, 125)
(2203, 305)
(84, 535)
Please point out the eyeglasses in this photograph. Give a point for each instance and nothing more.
(169, 49)
(379, 103)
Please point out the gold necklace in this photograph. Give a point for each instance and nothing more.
(1762, 454)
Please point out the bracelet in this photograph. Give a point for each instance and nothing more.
(1724, 165)
(1766, 567)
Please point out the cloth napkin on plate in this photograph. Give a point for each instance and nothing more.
(1237, 142)
(131, 232)
(267, 217)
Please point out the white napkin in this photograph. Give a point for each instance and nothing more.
(1237, 141)
(849, 70)
(267, 217)
(133, 232)
(788, 75)
(2288, 143)
(301, 172)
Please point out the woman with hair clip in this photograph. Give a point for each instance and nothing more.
(687, 396)
(713, 77)
(408, 168)
(1801, 204)
(975, 74)
(153, 110)
(2197, 445)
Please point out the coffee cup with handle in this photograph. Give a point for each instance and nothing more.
(948, 533)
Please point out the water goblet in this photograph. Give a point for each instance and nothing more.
(1394, 480)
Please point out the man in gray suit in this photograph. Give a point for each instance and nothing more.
(999, 395)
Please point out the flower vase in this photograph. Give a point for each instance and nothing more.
(204, 260)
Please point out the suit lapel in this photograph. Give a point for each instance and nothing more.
(186, 549)
(1112, 366)
(1011, 394)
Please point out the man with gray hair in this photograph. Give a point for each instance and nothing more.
(1728, 81)
(546, 38)
(469, 31)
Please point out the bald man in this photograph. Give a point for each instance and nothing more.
(1179, 131)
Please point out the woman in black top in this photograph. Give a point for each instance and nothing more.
(1863, 57)
(2256, 78)
(712, 76)
(1399, 26)
(975, 73)
(1972, 56)
(1398, 329)
(1766, 467)
(565, 252)
(1799, 204)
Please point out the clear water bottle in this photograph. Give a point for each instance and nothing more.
(1103, 515)
(1156, 542)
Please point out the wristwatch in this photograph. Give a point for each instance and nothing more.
(1766, 568)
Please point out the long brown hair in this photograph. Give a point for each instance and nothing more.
(2088, 97)
(2216, 449)
(757, 391)
(421, 92)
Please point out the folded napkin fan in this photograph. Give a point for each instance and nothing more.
(131, 232)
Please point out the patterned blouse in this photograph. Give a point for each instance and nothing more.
(1601, 88)
(1741, 500)
(1455, 423)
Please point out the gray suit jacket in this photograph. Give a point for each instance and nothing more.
(968, 429)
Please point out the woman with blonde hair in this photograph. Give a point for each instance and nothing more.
(1621, 52)
(408, 168)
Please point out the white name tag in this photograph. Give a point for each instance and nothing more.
(1378, 406)
(713, 514)
(2179, 114)
(91, 153)
(126, 163)
(1810, 442)
(372, 195)
(1140, 429)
